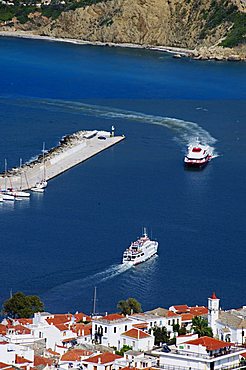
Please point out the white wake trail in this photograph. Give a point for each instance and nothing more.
(186, 131)
(91, 280)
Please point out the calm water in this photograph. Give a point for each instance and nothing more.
(61, 244)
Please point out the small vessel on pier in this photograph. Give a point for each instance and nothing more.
(198, 155)
(140, 250)
(40, 186)
(17, 193)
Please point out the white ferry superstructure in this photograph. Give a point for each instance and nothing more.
(140, 250)
(198, 155)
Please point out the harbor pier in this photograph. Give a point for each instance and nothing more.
(71, 150)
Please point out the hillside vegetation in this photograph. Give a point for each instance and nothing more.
(180, 23)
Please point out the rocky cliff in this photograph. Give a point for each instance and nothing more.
(180, 23)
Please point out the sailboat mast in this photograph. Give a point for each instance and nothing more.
(5, 171)
(44, 174)
(94, 301)
(20, 174)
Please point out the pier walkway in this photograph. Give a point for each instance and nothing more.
(72, 150)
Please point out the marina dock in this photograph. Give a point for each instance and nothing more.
(71, 150)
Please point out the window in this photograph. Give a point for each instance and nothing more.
(169, 322)
(151, 324)
(133, 344)
(115, 329)
(125, 327)
(95, 326)
(124, 341)
(105, 330)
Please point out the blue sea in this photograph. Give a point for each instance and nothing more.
(61, 244)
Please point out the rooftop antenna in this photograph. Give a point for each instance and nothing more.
(94, 301)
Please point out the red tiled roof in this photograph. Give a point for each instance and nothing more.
(197, 311)
(3, 329)
(103, 358)
(61, 327)
(143, 325)
(20, 329)
(181, 308)
(82, 328)
(40, 360)
(187, 316)
(113, 316)
(24, 321)
(53, 353)
(67, 340)
(75, 354)
(243, 355)
(172, 314)
(21, 360)
(6, 366)
(80, 316)
(211, 344)
(136, 333)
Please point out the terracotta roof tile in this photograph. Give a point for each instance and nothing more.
(103, 358)
(211, 344)
(75, 354)
(136, 333)
(19, 329)
(40, 360)
(181, 308)
(142, 325)
(6, 366)
(113, 316)
(21, 360)
(187, 316)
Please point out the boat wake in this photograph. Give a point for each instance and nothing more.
(185, 131)
(71, 288)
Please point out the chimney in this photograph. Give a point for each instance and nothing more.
(99, 360)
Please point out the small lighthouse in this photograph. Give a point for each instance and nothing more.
(112, 131)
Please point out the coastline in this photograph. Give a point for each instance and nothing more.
(212, 53)
(29, 35)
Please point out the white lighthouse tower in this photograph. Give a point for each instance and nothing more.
(213, 312)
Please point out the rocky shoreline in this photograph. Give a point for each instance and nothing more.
(216, 53)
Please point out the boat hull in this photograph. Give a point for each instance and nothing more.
(196, 163)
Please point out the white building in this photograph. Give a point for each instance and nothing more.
(227, 325)
(107, 330)
(203, 353)
(135, 359)
(159, 317)
(137, 339)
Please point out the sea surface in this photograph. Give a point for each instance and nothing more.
(61, 244)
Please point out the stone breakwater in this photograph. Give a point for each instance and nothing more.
(71, 150)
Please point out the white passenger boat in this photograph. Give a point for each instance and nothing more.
(140, 250)
(198, 155)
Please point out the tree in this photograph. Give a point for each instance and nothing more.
(21, 305)
(130, 306)
(124, 349)
(181, 330)
(161, 335)
(200, 327)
